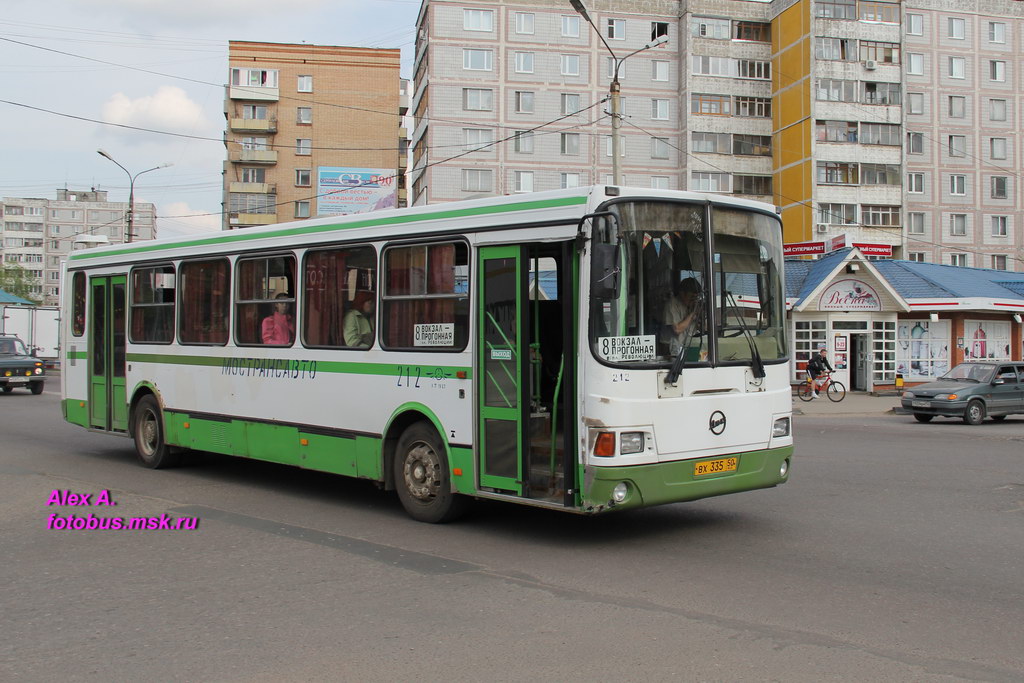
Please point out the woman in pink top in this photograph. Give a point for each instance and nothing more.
(279, 326)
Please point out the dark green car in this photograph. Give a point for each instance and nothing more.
(18, 368)
(970, 391)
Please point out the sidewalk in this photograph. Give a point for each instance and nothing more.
(855, 403)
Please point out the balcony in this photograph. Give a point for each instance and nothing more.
(253, 92)
(253, 156)
(242, 220)
(258, 188)
(254, 125)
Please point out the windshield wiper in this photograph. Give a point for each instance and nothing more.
(677, 365)
(756, 364)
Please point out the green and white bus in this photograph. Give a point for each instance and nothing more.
(512, 348)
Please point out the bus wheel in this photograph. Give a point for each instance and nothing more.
(422, 476)
(148, 432)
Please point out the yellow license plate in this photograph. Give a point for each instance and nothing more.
(715, 466)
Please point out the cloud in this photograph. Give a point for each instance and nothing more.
(178, 219)
(168, 109)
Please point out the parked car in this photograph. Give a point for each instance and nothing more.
(18, 367)
(970, 391)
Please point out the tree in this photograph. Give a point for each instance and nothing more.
(17, 281)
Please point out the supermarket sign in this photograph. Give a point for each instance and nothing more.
(828, 246)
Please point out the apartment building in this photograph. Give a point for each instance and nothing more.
(312, 130)
(964, 92)
(38, 234)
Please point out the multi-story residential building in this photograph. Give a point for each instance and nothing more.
(38, 234)
(828, 108)
(306, 126)
(963, 116)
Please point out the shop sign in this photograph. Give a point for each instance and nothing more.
(849, 295)
(883, 250)
(803, 248)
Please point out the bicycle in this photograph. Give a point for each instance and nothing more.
(834, 389)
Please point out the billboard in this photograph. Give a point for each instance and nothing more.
(343, 190)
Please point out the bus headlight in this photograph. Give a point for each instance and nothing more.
(620, 492)
(631, 442)
(781, 427)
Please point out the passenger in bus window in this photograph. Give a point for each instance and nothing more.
(680, 312)
(358, 323)
(279, 326)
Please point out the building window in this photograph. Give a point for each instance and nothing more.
(756, 31)
(752, 184)
(999, 226)
(477, 20)
(957, 106)
(880, 216)
(996, 32)
(659, 110)
(703, 103)
(302, 177)
(254, 175)
(570, 65)
(570, 26)
(152, 305)
(883, 53)
(709, 143)
(659, 182)
(477, 99)
(524, 62)
(255, 144)
(837, 214)
(616, 29)
(917, 256)
(997, 110)
(750, 68)
(838, 173)
(881, 93)
(254, 112)
(523, 141)
(753, 107)
(880, 134)
(608, 146)
(958, 184)
(302, 209)
(915, 223)
(524, 22)
(999, 185)
(611, 64)
(205, 298)
(337, 286)
(915, 24)
(570, 143)
(955, 28)
(425, 286)
(958, 260)
(570, 103)
(476, 59)
(254, 78)
(659, 29)
(523, 101)
(997, 148)
(957, 67)
(477, 138)
(659, 148)
(998, 261)
(879, 174)
(997, 70)
(915, 64)
(838, 49)
(957, 145)
(659, 70)
(915, 103)
(712, 66)
(523, 181)
(477, 180)
(702, 181)
(304, 84)
(304, 146)
(569, 180)
(915, 183)
(304, 115)
(706, 27)
(752, 145)
(958, 224)
(836, 90)
(882, 12)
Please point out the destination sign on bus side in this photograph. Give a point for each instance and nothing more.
(627, 348)
(433, 334)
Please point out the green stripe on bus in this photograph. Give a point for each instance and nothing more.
(314, 229)
(247, 364)
(78, 355)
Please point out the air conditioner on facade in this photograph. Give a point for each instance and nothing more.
(870, 64)
(822, 227)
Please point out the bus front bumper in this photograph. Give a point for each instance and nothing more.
(674, 482)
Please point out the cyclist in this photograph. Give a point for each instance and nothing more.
(817, 366)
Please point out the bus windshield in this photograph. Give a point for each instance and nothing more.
(695, 282)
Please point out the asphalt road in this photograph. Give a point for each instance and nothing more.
(894, 553)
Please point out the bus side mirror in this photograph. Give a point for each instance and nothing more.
(604, 271)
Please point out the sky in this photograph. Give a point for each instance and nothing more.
(81, 76)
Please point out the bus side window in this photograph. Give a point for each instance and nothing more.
(265, 301)
(339, 298)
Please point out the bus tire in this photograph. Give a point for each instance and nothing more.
(974, 414)
(148, 434)
(423, 478)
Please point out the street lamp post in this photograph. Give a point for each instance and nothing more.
(614, 87)
(131, 190)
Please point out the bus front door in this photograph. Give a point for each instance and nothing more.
(108, 408)
(501, 367)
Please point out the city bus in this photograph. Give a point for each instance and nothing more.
(515, 348)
